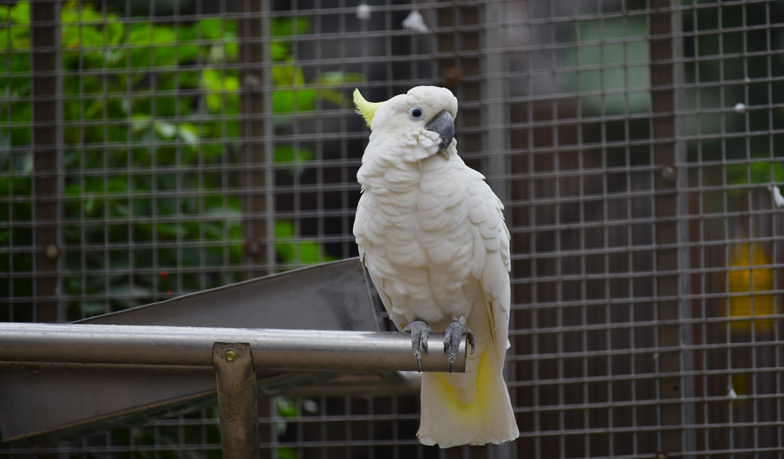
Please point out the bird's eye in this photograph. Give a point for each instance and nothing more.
(415, 113)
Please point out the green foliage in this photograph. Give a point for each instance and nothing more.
(289, 410)
(140, 99)
(296, 158)
(287, 452)
(295, 95)
(760, 173)
(153, 128)
(290, 249)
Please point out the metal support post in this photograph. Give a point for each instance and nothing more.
(256, 201)
(496, 144)
(46, 135)
(237, 402)
(672, 232)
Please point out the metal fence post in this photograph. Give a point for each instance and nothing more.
(496, 144)
(255, 178)
(46, 126)
(237, 402)
(671, 210)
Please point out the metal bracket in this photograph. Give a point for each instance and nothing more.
(237, 402)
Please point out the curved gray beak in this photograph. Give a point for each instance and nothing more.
(444, 125)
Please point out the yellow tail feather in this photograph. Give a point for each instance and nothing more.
(487, 419)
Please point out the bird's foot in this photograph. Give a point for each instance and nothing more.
(453, 334)
(419, 331)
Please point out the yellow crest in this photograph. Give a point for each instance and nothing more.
(365, 108)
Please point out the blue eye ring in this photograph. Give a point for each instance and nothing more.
(416, 113)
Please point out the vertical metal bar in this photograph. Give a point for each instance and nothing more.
(254, 177)
(45, 38)
(268, 146)
(237, 403)
(496, 143)
(671, 208)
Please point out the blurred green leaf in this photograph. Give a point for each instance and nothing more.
(20, 39)
(296, 157)
(189, 133)
(337, 78)
(232, 50)
(20, 13)
(115, 31)
(287, 407)
(287, 452)
(165, 129)
(283, 101)
(280, 51)
(285, 154)
(761, 173)
(73, 189)
(140, 122)
(140, 33)
(169, 231)
(284, 229)
(287, 75)
(310, 252)
(284, 27)
(211, 29)
(117, 184)
(218, 87)
(187, 53)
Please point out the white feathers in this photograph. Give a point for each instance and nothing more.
(436, 247)
(363, 12)
(415, 22)
(775, 192)
(731, 392)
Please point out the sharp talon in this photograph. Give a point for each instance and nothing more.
(453, 334)
(471, 340)
(419, 331)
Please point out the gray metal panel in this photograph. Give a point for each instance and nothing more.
(332, 296)
(53, 401)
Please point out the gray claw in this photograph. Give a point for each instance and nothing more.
(453, 334)
(419, 331)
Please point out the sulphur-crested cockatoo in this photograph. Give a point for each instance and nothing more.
(432, 235)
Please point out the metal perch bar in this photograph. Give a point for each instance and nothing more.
(235, 353)
(165, 345)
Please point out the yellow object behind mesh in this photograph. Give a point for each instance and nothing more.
(751, 281)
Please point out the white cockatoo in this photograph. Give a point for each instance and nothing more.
(432, 235)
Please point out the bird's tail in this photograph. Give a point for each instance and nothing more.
(449, 419)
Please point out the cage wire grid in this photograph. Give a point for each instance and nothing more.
(153, 148)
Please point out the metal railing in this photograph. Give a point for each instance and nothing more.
(235, 354)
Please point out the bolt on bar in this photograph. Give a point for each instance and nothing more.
(165, 345)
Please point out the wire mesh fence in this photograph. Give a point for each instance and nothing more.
(152, 148)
